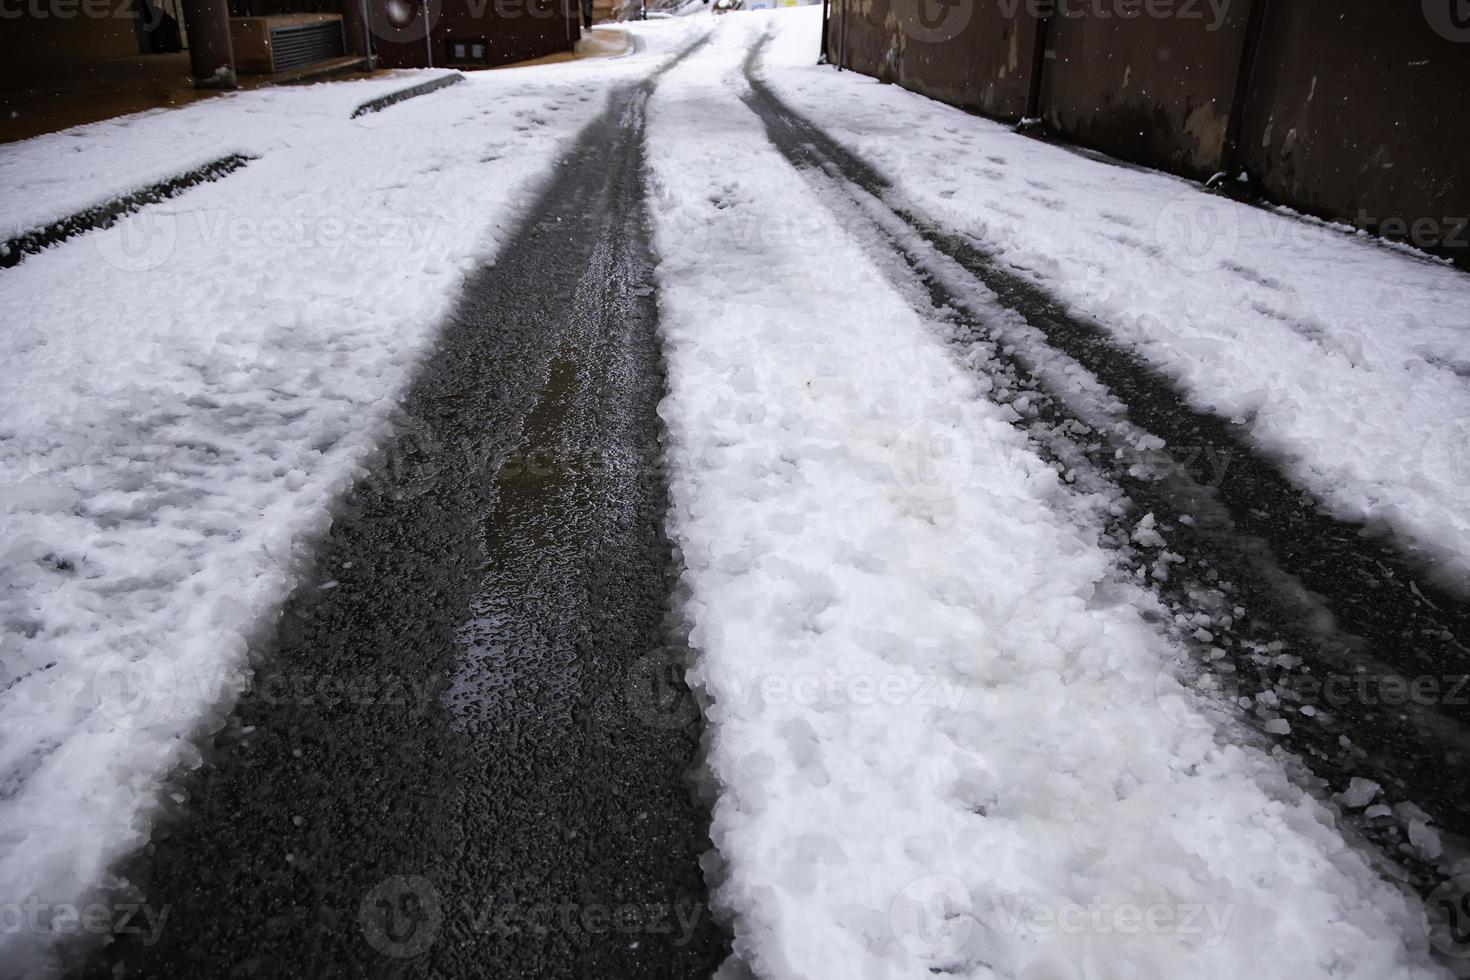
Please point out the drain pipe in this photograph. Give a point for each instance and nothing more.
(367, 34)
(842, 37)
(1032, 116)
(211, 51)
(1250, 54)
(824, 58)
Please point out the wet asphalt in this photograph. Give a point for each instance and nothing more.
(1305, 610)
(467, 750)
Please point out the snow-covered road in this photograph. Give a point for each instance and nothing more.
(943, 716)
(1073, 563)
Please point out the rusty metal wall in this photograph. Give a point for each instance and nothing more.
(1146, 89)
(1364, 116)
(968, 53)
(1349, 109)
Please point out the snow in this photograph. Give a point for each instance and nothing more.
(972, 780)
(1360, 792)
(172, 436)
(57, 175)
(933, 700)
(1346, 358)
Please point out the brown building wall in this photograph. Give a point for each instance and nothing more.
(65, 40)
(1349, 109)
(1366, 110)
(511, 30)
(969, 53)
(1149, 90)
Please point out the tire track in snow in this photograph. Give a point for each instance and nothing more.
(502, 808)
(1282, 605)
(14, 250)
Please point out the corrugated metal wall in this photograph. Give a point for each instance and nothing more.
(1351, 109)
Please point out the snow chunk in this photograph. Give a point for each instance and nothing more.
(1360, 792)
(1145, 534)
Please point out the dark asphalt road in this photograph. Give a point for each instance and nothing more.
(454, 760)
(1321, 612)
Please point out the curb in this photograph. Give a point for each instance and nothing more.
(99, 216)
(412, 92)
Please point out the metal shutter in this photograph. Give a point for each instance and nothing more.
(305, 44)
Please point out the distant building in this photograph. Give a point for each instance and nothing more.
(226, 38)
(471, 33)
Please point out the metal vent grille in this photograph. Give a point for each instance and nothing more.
(297, 45)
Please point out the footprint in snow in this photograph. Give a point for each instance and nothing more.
(1245, 271)
(1118, 219)
(1460, 369)
(1151, 250)
(1272, 312)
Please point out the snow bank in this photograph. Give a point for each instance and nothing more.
(923, 682)
(172, 437)
(1347, 358)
